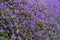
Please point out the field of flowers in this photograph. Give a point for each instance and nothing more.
(29, 19)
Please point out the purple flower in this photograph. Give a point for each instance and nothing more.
(17, 15)
(2, 6)
(14, 16)
(10, 0)
(1, 30)
(19, 38)
(58, 27)
(2, 15)
(9, 13)
(16, 24)
(39, 33)
(18, 1)
(46, 37)
(13, 36)
(2, 38)
(32, 27)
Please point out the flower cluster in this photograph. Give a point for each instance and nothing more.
(29, 20)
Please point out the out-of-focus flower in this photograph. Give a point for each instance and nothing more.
(39, 33)
(2, 6)
(46, 37)
(58, 27)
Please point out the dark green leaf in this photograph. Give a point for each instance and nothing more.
(5, 34)
(0, 1)
(39, 24)
(1, 11)
(16, 38)
(21, 28)
(28, 34)
(11, 19)
(8, 38)
(15, 28)
(15, 34)
(23, 37)
(1, 33)
(36, 37)
(50, 37)
(28, 17)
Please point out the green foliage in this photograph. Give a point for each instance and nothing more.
(18, 21)
(23, 37)
(12, 9)
(1, 34)
(15, 34)
(15, 28)
(16, 38)
(50, 37)
(36, 37)
(11, 19)
(39, 24)
(1, 11)
(0, 1)
(8, 38)
(4, 2)
(53, 25)
(5, 34)
(21, 28)
(28, 34)
(28, 17)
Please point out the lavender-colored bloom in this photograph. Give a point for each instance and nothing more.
(19, 38)
(46, 37)
(39, 33)
(17, 31)
(1, 30)
(2, 6)
(2, 38)
(16, 11)
(10, 0)
(32, 27)
(13, 36)
(11, 25)
(18, 1)
(4, 26)
(58, 27)
(29, 19)
(9, 13)
(2, 15)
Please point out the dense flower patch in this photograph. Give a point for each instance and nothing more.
(29, 20)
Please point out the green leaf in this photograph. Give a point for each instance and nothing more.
(16, 38)
(8, 38)
(53, 25)
(15, 34)
(0, 1)
(15, 28)
(36, 37)
(28, 34)
(1, 34)
(28, 17)
(50, 37)
(39, 24)
(11, 9)
(11, 19)
(5, 2)
(18, 21)
(5, 34)
(1, 11)
(23, 37)
(21, 28)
